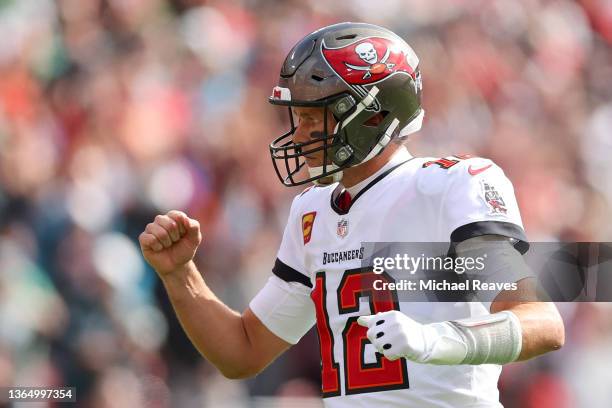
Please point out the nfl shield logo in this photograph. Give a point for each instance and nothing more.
(342, 228)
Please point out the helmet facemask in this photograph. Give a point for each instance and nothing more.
(288, 157)
(339, 149)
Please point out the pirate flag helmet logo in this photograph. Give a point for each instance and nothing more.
(369, 60)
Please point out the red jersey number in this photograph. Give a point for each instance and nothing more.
(359, 376)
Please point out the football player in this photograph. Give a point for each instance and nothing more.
(353, 93)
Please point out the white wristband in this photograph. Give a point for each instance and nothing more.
(491, 339)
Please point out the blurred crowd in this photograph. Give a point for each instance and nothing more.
(112, 111)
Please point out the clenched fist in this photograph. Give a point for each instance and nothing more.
(170, 242)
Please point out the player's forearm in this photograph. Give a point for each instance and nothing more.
(214, 329)
(542, 328)
(508, 334)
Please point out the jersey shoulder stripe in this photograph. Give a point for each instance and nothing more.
(506, 229)
(288, 274)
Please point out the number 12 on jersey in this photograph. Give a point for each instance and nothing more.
(359, 376)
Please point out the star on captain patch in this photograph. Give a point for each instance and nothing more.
(342, 229)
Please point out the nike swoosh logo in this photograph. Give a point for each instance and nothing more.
(474, 172)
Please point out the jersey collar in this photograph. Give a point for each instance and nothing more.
(400, 157)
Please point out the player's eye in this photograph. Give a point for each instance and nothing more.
(306, 119)
(317, 134)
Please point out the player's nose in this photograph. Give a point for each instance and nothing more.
(300, 135)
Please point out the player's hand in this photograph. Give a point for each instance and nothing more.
(396, 335)
(170, 241)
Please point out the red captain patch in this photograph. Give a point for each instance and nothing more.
(368, 60)
(307, 224)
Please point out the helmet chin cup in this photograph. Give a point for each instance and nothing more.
(325, 180)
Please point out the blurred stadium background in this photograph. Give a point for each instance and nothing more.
(112, 111)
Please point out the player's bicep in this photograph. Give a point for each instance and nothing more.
(504, 266)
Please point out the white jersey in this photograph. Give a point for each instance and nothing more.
(319, 264)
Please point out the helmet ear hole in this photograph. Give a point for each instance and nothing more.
(376, 120)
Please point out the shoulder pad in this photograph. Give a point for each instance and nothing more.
(309, 195)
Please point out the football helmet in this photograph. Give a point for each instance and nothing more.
(356, 71)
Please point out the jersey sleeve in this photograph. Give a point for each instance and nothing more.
(284, 308)
(284, 305)
(289, 265)
(479, 201)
